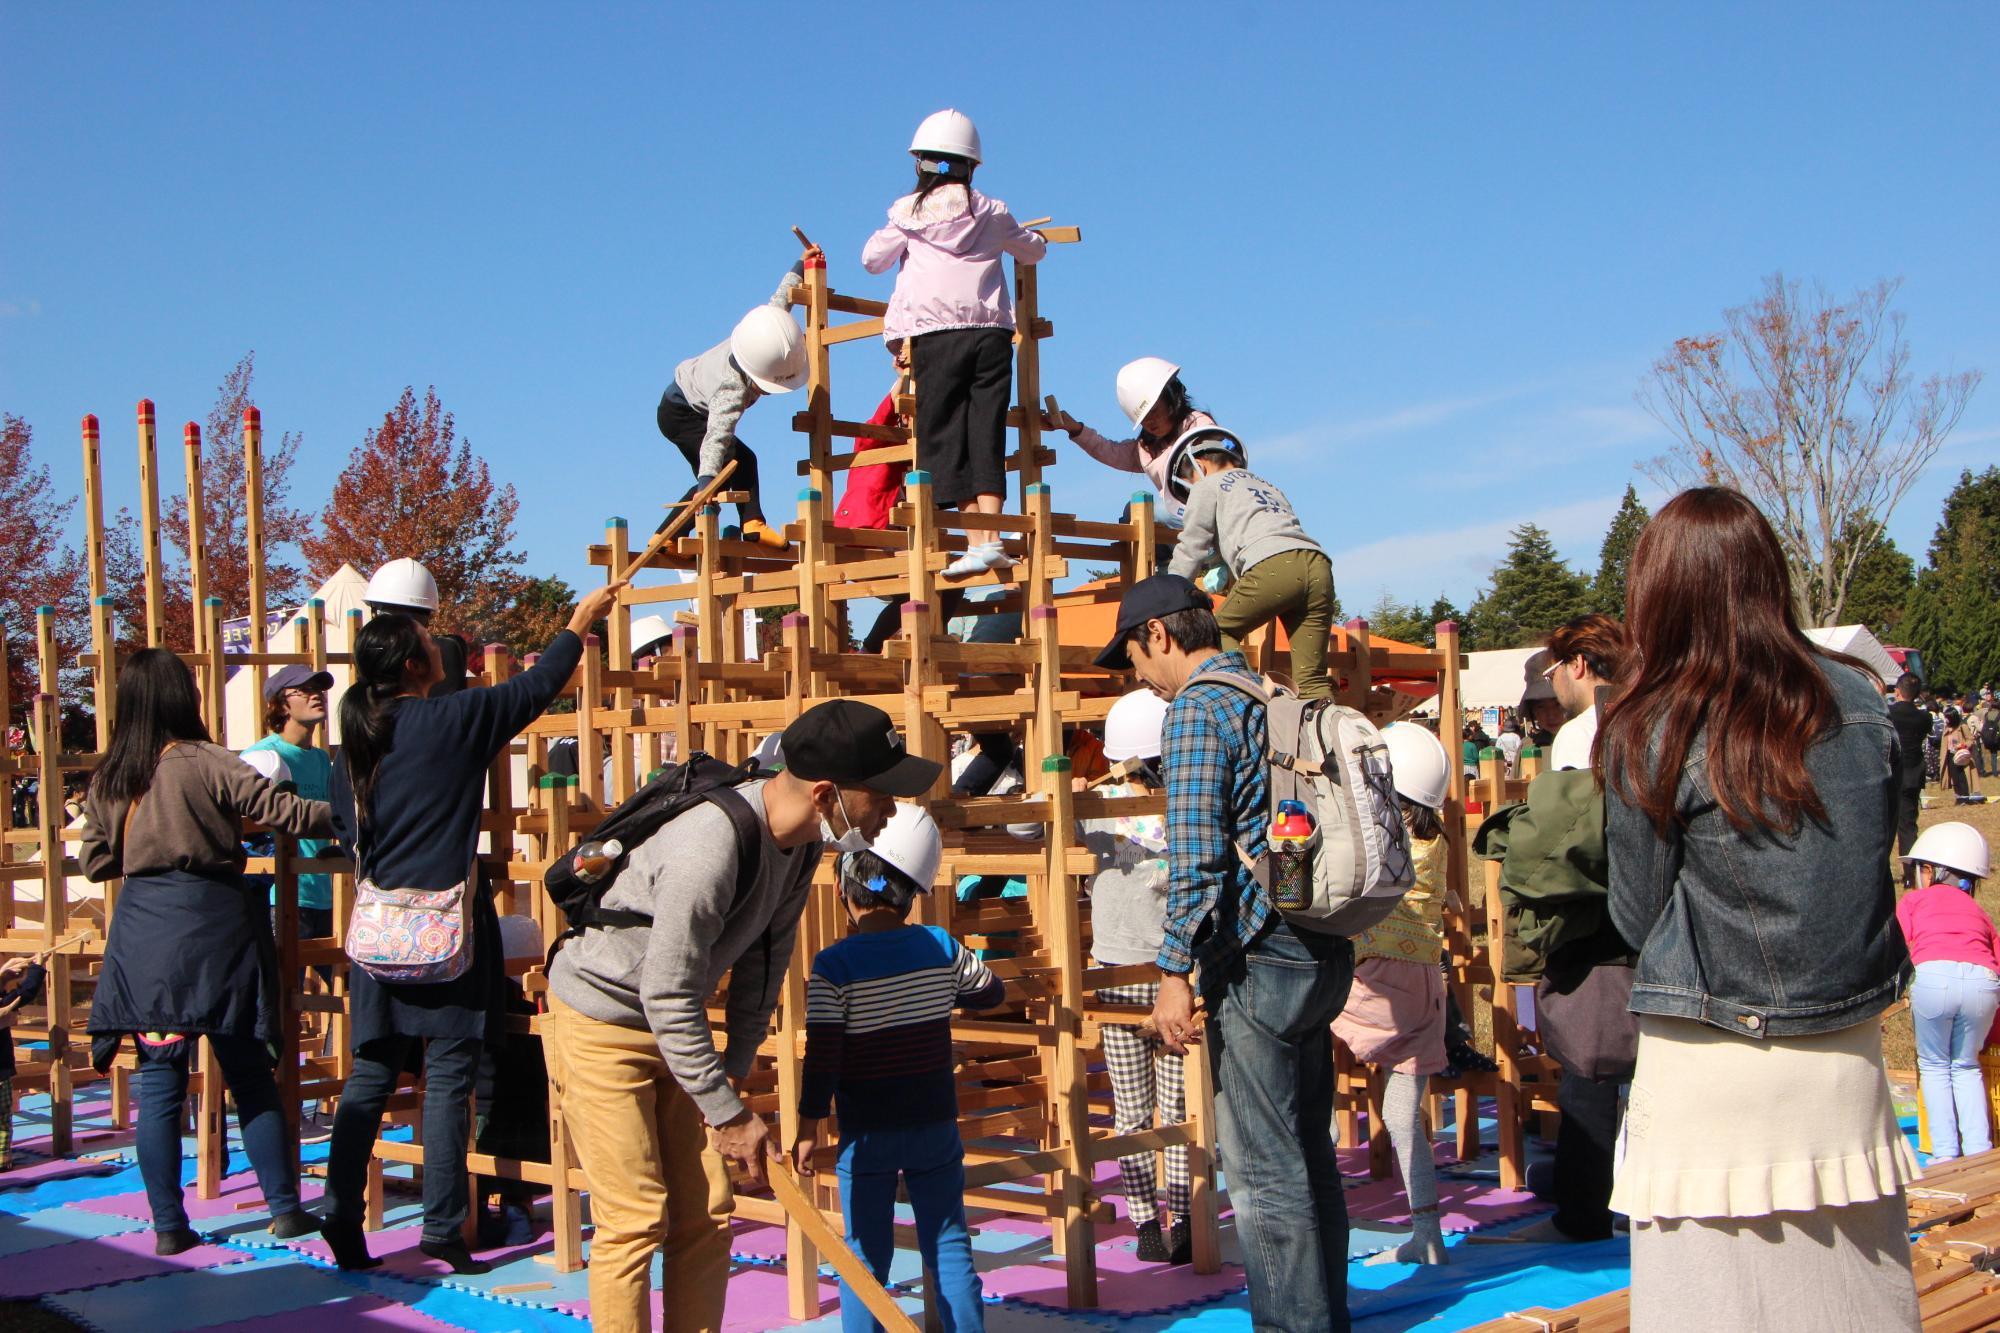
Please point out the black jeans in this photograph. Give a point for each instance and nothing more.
(1585, 1145)
(450, 1068)
(685, 425)
(1908, 802)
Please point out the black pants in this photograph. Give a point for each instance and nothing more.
(450, 1067)
(964, 378)
(685, 425)
(1585, 1145)
(1908, 803)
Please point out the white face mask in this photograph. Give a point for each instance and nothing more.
(854, 840)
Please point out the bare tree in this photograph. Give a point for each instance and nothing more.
(1808, 407)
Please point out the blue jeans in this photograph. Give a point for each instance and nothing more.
(163, 1085)
(1953, 1005)
(450, 1064)
(1270, 1045)
(931, 1161)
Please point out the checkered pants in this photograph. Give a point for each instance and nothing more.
(1145, 1077)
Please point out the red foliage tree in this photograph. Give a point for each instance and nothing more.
(413, 488)
(37, 567)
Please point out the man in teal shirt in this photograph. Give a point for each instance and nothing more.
(294, 709)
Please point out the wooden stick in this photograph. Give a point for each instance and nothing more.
(1058, 418)
(801, 1210)
(1038, 222)
(804, 240)
(688, 509)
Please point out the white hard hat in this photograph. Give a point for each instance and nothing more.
(770, 752)
(768, 346)
(268, 762)
(1953, 846)
(647, 631)
(1419, 766)
(1140, 384)
(910, 842)
(1132, 727)
(402, 585)
(949, 132)
(520, 937)
(1200, 440)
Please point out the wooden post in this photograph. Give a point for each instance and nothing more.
(149, 526)
(215, 675)
(1071, 1095)
(93, 507)
(59, 986)
(253, 545)
(197, 543)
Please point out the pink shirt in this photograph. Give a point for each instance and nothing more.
(1944, 924)
(949, 248)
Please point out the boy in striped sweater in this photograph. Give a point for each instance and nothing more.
(878, 1041)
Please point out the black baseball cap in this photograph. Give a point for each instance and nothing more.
(1149, 599)
(296, 676)
(855, 745)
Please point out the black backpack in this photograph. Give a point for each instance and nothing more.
(1989, 729)
(671, 792)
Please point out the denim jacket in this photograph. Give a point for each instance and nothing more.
(1770, 935)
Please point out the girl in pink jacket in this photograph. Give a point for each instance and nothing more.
(1151, 392)
(953, 303)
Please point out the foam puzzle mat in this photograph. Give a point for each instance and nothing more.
(75, 1238)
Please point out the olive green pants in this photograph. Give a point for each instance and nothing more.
(1294, 588)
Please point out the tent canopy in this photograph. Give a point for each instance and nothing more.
(1858, 641)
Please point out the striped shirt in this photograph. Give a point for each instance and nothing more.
(1218, 799)
(878, 1027)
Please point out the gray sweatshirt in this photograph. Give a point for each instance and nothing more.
(1128, 896)
(713, 383)
(660, 976)
(1241, 517)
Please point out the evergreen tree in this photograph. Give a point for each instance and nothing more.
(1391, 619)
(1533, 592)
(1954, 611)
(1883, 578)
(1614, 558)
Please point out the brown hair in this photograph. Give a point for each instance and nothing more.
(276, 713)
(1716, 649)
(1598, 641)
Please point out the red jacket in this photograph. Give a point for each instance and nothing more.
(872, 489)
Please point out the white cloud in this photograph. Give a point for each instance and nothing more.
(1417, 565)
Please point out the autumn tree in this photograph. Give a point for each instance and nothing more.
(1808, 406)
(1533, 591)
(538, 611)
(413, 488)
(226, 508)
(37, 568)
(1614, 557)
(1954, 608)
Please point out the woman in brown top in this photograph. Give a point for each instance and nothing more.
(190, 952)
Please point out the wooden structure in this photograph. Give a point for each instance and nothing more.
(1035, 1104)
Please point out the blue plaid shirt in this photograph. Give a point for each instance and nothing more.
(1218, 796)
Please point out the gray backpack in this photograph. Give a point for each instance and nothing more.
(1333, 760)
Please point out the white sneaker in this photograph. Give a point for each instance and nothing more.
(979, 559)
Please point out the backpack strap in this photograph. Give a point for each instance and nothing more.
(1266, 692)
(749, 855)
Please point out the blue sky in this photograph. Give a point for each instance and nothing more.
(1419, 257)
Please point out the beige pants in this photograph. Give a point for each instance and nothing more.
(655, 1183)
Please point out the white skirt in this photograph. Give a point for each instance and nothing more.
(1725, 1126)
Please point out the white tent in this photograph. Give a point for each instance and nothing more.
(1490, 680)
(1858, 641)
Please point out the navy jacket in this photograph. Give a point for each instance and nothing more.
(1767, 935)
(423, 825)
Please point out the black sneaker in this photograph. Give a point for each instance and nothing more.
(1180, 1243)
(1152, 1249)
(180, 1240)
(454, 1253)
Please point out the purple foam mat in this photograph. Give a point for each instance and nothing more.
(757, 1302)
(57, 1168)
(221, 1210)
(93, 1263)
(397, 1248)
(341, 1316)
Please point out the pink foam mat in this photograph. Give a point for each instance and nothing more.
(397, 1248)
(757, 1302)
(100, 1260)
(236, 1189)
(356, 1312)
(60, 1168)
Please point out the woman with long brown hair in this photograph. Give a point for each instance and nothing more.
(1750, 812)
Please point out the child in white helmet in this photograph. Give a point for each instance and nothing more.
(954, 304)
(1151, 392)
(1277, 572)
(1957, 988)
(1128, 919)
(1395, 1013)
(878, 1046)
(765, 353)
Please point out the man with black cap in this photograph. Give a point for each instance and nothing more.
(1273, 1066)
(1541, 712)
(294, 709)
(653, 1107)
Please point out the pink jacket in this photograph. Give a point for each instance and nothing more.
(1133, 456)
(949, 248)
(1946, 923)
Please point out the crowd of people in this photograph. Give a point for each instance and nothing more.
(1699, 887)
